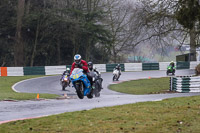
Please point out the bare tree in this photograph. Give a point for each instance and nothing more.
(158, 21)
(119, 23)
(160, 25)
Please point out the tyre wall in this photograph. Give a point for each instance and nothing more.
(185, 84)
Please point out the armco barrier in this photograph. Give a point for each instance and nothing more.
(39, 70)
(11, 71)
(100, 67)
(193, 64)
(150, 66)
(183, 65)
(15, 71)
(164, 65)
(110, 67)
(53, 70)
(185, 84)
(133, 66)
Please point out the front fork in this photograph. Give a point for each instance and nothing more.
(85, 87)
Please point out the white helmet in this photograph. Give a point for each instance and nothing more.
(77, 58)
(68, 69)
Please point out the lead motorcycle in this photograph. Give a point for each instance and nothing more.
(81, 83)
(97, 83)
(116, 75)
(65, 81)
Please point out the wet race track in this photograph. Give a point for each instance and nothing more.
(17, 110)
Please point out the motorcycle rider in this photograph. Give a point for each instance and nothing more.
(79, 63)
(67, 72)
(118, 68)
(93, 68)
(82, 64)
(172, 64)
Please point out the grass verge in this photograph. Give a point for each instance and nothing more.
(6, 92)
(170, 115)
(143, 86)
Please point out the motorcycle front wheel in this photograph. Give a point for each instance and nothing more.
(63, 86)
(79, 90)
(167, 72)
(97, 90)
(114, 77)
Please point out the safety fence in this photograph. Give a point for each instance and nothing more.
(150, 66)
(185, 84)
(53, 70)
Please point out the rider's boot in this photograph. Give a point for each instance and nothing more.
(90, 95)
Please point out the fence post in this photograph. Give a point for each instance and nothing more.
(171, 84)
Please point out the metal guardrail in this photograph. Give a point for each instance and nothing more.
(150, 66)
(51, 70)
(183, 65)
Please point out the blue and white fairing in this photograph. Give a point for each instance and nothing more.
(78, 76)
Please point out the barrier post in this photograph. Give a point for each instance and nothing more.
(171, 84)
(4, 71)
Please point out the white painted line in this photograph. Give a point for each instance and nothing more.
(13, 87)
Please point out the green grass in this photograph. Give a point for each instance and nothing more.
(177, 115)
(168, 116)
(143, 86)
(6, 92)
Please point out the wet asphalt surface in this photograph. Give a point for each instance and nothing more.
(17, 110)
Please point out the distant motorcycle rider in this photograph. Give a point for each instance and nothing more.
(92, 68)
(67, 72)
(171, 68)
(118, 67)
(172, 64)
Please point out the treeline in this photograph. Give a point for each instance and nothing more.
(51, 32)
